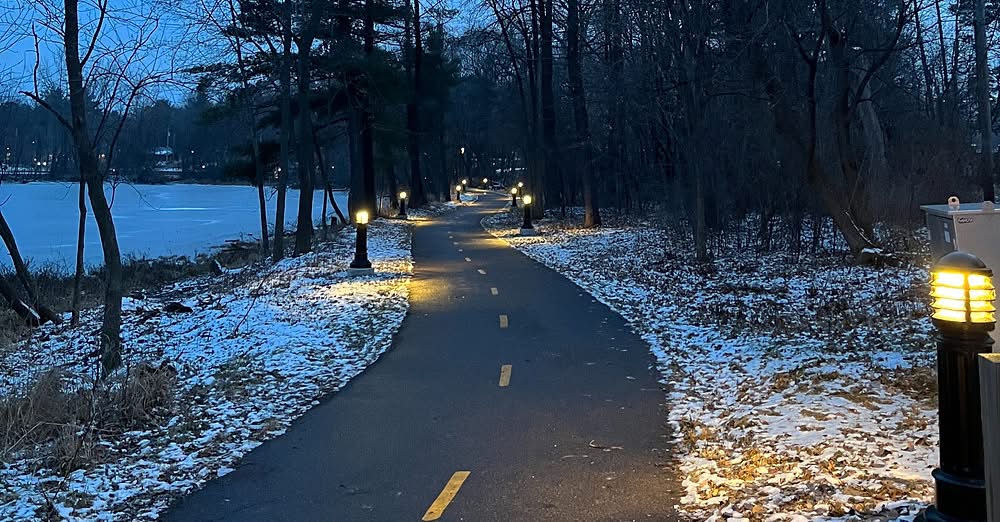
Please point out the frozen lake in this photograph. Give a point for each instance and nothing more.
(151, 220)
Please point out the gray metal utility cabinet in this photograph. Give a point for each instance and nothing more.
(970, 227)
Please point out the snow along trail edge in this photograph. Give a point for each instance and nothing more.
(257, 352)
(779, 411)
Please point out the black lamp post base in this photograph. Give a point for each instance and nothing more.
(960, 498)
(355, 272)
(528, 232)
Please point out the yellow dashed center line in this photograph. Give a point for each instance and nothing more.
(504, 322)
(494, 291)
(504, 375)
(447, 495)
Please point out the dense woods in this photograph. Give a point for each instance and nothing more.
(748, 120)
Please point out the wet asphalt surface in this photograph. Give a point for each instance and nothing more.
(579, 434)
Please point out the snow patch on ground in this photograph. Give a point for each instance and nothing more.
(797, 390)
(258, 350)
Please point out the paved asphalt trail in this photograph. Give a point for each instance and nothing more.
(384, 447)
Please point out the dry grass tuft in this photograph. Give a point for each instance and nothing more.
(62, 428)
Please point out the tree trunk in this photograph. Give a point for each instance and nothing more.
(80, 234)
(304, 229)
(356, 197)
(591, 212)
(553, 175)
(261, 197)
(112, 317)
(368, 121)
(23, 276)
(983, 98)
(855, 184)
(326, 181)
(418, 196)
(285, 95)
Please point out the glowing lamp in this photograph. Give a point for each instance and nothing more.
(520, 184)
(458, 188)
(962, 291)
(465, 182)
(461, 151)
(526, 199)
(513, 191)
(485, 181)
(361, 217)
(402, 195)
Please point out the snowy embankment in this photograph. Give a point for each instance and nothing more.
(258, 348)
(796, 390)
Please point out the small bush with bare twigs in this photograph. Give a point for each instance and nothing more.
(60, 426)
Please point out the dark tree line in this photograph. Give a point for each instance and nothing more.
(723, 111)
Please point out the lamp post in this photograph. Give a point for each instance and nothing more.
(486, 182)
(520, 185)
(465, 163)
(458, 193)
(513, 197)
(361, 264)
(527, 229)
(402, 205)
(964, 314)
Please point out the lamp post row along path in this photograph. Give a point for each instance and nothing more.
(500, 388)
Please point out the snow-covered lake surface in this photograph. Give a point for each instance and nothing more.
(151, 220)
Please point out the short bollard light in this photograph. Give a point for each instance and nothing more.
(402, 205)
(513, 197)
(964, 314)
(527, 229)
(361, 264)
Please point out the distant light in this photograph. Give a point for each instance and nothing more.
(520, 184)
(458, 188)
(361, 217)
(485, 181)
(526, 199)
(203, 166)
(465, 182)
(460, 151)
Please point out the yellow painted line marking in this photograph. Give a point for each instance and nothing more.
(447, 495)
(494, 291)
(504, 375)
(504, 322)
(481, 271)
(467, 260)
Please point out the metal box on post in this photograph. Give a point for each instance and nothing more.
(969, 227)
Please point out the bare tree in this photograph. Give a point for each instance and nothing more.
(111, 73)
(983, 99)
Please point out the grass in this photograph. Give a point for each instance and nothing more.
(62, 428)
